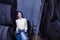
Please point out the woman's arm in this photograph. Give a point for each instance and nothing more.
(26, 26)
(16, 27)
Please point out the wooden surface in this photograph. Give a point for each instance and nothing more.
(33, 37)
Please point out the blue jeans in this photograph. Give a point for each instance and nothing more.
(19, 35)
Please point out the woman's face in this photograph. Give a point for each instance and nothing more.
(19, 15)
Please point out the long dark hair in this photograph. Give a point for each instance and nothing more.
(21, 14)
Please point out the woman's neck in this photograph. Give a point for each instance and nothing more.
(20, 18)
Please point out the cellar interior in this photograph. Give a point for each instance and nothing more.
(43, 18)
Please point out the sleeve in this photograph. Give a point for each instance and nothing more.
(26, 26)
(16, 27)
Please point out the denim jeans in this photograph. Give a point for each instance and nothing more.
(19, 35)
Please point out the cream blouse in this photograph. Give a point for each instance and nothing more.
(21, 24)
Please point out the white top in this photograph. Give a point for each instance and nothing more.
(21, 24)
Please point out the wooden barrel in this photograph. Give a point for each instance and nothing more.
(5, 33)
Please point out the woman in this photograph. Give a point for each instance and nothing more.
(21, 24)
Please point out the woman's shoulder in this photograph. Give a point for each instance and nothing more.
(24, 19)
(16, 19)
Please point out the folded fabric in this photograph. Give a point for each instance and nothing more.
(24, 36)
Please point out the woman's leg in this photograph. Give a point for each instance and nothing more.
(18, 36)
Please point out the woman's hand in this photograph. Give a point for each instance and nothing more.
(15, 33)
(25, 30)
(16, 30)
